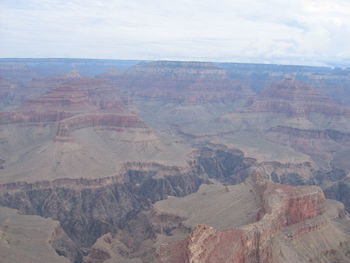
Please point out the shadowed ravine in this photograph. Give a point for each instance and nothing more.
(88, 209)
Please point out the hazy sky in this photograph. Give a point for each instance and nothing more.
(278, 31)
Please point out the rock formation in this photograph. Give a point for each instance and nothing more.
(287, 213)
(293, 97)
(169, 161)
(193, 82)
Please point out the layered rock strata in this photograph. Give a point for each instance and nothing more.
(88, 209)
(192, 82)
(289, 210)
(293, 97)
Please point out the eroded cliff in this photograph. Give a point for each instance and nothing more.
(286, 213)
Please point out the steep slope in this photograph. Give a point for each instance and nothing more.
(288, 216)
(90, 208)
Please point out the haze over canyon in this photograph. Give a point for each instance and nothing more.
(105, 161)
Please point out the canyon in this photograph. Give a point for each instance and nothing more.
(107, 161)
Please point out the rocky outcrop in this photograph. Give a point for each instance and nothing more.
(282, 207)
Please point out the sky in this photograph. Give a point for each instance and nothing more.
(307, 32)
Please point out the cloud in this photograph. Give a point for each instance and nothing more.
(294, 32)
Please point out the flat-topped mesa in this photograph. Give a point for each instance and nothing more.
(293, 97)
(282, 206)
(193, 82)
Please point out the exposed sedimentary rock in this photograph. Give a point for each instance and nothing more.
(87, 209)
(222, 164)
(193, 82)
(288, 210)
(97, 120)
(293, 97)
(125, 140)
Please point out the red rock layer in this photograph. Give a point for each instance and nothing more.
(62, 98)
(75, 102)
(292, 97)
(73, 94)
(282, 206)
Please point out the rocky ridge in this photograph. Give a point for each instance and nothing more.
(192, 82)
(71, 126)
(293, 97)
(293, 211)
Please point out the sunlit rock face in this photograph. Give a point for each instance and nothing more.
(287, 213)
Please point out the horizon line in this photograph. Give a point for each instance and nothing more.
(173, 60)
